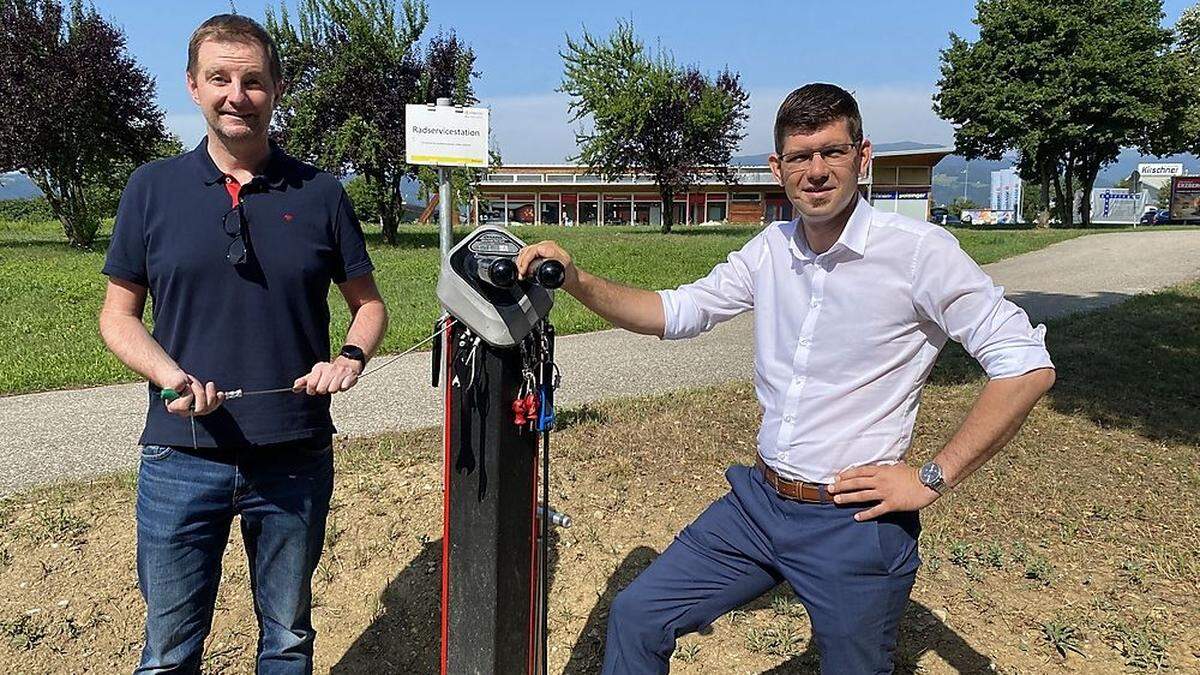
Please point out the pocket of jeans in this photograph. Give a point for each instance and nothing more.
(155, 452)
(896, 536)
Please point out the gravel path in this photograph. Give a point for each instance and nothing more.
(80, 433)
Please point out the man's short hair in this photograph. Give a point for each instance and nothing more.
(235, 28)
(815, 106)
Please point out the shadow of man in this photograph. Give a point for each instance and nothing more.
(405, 637)
(920, 632)
(587, 655)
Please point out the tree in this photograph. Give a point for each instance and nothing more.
(961, 204)
(77, 113)
(650, 116)
(1183, 131)
(1065, 85)
(350, 67)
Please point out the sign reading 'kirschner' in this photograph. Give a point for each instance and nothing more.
(446, 135)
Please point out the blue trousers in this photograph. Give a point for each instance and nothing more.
(186, 501)
(853, 577)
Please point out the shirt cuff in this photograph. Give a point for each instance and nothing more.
(670, 306)
(1027, 354)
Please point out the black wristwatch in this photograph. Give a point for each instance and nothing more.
(354, 352)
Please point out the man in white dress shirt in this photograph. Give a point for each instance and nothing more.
(853, 306)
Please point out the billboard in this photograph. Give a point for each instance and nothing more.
(988, 217)
(1116, 205)
(1185, 198)
(1006, 191)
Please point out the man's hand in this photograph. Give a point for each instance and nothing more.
(896, 487)
(551, 250)
(195, 398)
(329, 377)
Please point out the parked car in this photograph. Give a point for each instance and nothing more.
(1148, 217)
(1162, 217)
(942, 216)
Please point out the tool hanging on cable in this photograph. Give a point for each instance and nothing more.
(168, 394)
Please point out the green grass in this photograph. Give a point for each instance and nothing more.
(50, 293)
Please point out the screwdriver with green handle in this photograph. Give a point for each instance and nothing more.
(168, 394)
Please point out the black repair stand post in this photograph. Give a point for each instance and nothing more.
(489, 555)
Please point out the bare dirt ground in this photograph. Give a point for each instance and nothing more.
(1074, 550)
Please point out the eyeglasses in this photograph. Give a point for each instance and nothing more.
(834, 155)
(236, 253)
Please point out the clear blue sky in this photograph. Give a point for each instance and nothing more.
(886, 52)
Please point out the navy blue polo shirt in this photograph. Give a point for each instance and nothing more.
(257, 325)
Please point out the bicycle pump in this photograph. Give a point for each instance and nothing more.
(499, 378)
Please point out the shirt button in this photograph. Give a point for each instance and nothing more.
(788, 419)
(798, 379)
(804, 342)
(815, 303)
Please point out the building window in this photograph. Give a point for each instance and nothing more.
(617, 212)
(745, 196)
(520, 209)
(551, 210)
(560, 178)
(589, 210)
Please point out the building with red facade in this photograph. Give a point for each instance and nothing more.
(566, 194)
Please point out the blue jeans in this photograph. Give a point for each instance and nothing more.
(186, 501)
(853, 578)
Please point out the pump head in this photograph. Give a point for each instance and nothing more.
(479, 286)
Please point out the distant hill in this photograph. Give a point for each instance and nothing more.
(17, 186)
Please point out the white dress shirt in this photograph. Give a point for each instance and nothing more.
(844, 340)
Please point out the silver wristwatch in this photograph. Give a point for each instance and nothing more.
(931, 477)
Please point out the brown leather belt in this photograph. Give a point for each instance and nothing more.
(796, 490)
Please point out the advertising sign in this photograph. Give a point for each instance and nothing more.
(1116, 205)
(1006, 191)
(1185, 198)
(988, 217)
(446, 135)
(1155, 170)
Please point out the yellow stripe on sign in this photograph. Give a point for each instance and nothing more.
(441, 159)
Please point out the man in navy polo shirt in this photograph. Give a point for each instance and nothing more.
(237, 243)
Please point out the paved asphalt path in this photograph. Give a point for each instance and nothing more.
(75, 434)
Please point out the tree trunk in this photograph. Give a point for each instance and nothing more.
(1087, 179)
(1066, 192)
(1043, 221)
(668, 216)
(68, 201)
(390, 210)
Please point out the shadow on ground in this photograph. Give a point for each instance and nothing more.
(920, 632)
(1132, 366)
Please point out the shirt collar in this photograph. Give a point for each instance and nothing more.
(853, 237)
(273, 174)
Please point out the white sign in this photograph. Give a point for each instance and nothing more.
(1116, 205)
(1145, 170)
(445, 135)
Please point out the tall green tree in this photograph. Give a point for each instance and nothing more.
(350, 67)
(1183, 131)
(77, 113)
(1065, 85)
(650, 116)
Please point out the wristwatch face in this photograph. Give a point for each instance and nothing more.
(352, 352)
(931, 474)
